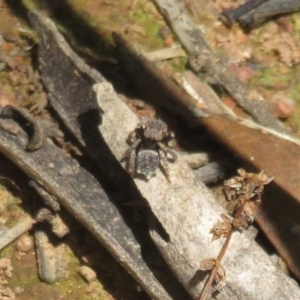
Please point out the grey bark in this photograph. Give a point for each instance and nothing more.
(188, 211)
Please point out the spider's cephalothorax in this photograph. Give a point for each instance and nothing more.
(149, 149)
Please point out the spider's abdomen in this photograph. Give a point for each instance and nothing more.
(147, 162)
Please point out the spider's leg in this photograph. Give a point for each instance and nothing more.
(130, 155)
(164, 163)
(132, 148)
(130, 165)
(132, 138)
(167, 151)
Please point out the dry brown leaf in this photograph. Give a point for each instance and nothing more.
(207, 264)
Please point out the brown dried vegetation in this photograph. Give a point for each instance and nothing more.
(245, 190)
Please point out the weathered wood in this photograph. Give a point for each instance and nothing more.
(69, 83)
(264, 149)
(187, 211)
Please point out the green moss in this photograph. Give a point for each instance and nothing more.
(295, 95)
(271, 77)
(31, 4)
(7, 252)
(296, 22)
(179, 63)
(150, 25)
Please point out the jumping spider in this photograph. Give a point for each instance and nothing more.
(149, 149)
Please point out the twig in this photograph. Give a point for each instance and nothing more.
(202, 93)
(17, 230)
(206, 291)
(246, 189)
(203, 59)
(166, 53)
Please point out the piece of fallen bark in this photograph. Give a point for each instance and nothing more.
(231, 16)
(250, 141)
(81, 194)
(187, 211)
(257, 15)
(58, 65)
(82, 119)
(202, 59)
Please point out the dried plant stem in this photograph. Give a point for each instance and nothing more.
(206, 291)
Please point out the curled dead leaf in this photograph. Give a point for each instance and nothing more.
(207, 264)
(250, 209)
(240, 222)
(222, 228)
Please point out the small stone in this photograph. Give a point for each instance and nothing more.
(282, 106)
(18, 290)
(169, 41)
(244, 72)
(51, 166)
(87, 273)
(24, 244)
(229, 102)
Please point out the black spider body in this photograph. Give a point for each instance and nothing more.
(149, 149)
